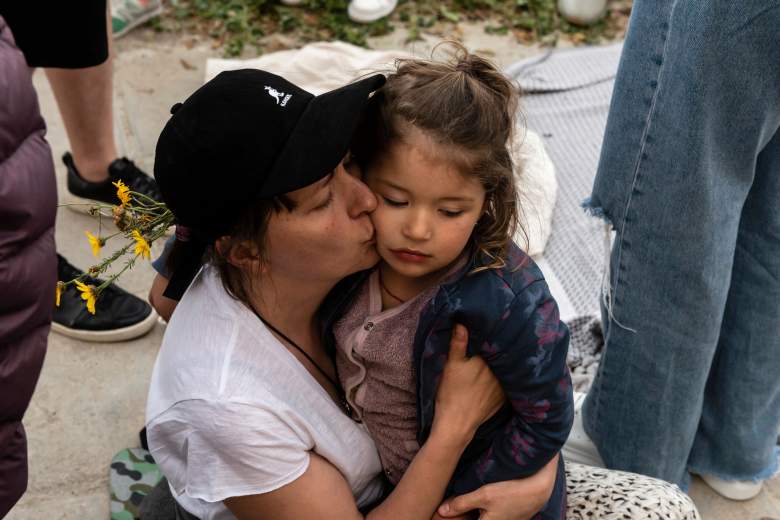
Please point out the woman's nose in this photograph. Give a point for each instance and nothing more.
(362, 200)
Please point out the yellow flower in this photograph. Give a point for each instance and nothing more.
(60, 287)
(88, 294)
(95, 243)
(122, 192)
(141, 245)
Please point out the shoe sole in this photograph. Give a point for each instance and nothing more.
(138, 21)
(108, 336)
(737, 491)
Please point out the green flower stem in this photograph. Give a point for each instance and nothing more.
(113, 277)
(140, 196)
(147, 216)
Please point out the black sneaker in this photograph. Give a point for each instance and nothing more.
(86, 192)
(120, 315)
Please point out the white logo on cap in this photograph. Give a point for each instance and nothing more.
(280, 97)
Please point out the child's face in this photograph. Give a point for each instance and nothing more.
(426, 208)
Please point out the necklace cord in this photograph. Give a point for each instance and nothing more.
(337, 386)
(383, 286)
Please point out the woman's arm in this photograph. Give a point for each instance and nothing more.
(467, 394)
(164, 306)
(323, 493)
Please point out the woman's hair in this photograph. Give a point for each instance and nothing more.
(466, 105)
(249, 231)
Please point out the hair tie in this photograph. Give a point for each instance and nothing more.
(183, 233)
(465, 66)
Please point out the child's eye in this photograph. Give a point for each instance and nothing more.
(393, 203)
(450, 213)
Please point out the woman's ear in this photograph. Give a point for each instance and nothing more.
(241, 254)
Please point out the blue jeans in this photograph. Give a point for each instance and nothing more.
(689, 178)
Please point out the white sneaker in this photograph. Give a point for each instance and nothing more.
(582, 12)
(579, 448)
(292, 2)
(129, 14)
(733, 489)
(367, 11)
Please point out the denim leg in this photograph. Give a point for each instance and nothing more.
(738, 427)
(696, 99)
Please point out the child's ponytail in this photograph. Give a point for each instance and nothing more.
(493, 92)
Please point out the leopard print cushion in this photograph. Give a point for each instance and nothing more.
(597, 493)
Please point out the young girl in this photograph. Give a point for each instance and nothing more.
(440, 168)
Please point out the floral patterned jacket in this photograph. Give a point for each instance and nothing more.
(513, 323)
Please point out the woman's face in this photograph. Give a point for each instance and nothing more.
(329, 234)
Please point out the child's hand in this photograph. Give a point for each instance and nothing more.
(468, 392)
(517, 499)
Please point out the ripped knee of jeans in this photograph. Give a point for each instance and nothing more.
(595, 210)
(607, 287)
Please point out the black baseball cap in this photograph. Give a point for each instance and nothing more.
(248, 135)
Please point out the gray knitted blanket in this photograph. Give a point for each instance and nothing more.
(566, 100)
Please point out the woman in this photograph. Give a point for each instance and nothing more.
(244, 415)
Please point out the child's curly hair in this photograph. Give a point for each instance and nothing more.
(465, 104)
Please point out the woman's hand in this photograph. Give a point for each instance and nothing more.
(517, 499)
(468, 392)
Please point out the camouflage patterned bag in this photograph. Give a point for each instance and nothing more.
(133, 475)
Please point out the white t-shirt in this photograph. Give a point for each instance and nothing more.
(231, 412)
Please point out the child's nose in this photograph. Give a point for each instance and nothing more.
(417, 226)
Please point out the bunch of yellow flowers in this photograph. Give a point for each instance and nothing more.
(139, 219)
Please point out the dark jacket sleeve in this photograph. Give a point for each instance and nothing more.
(527, 352)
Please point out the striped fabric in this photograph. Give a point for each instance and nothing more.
(566, 99)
